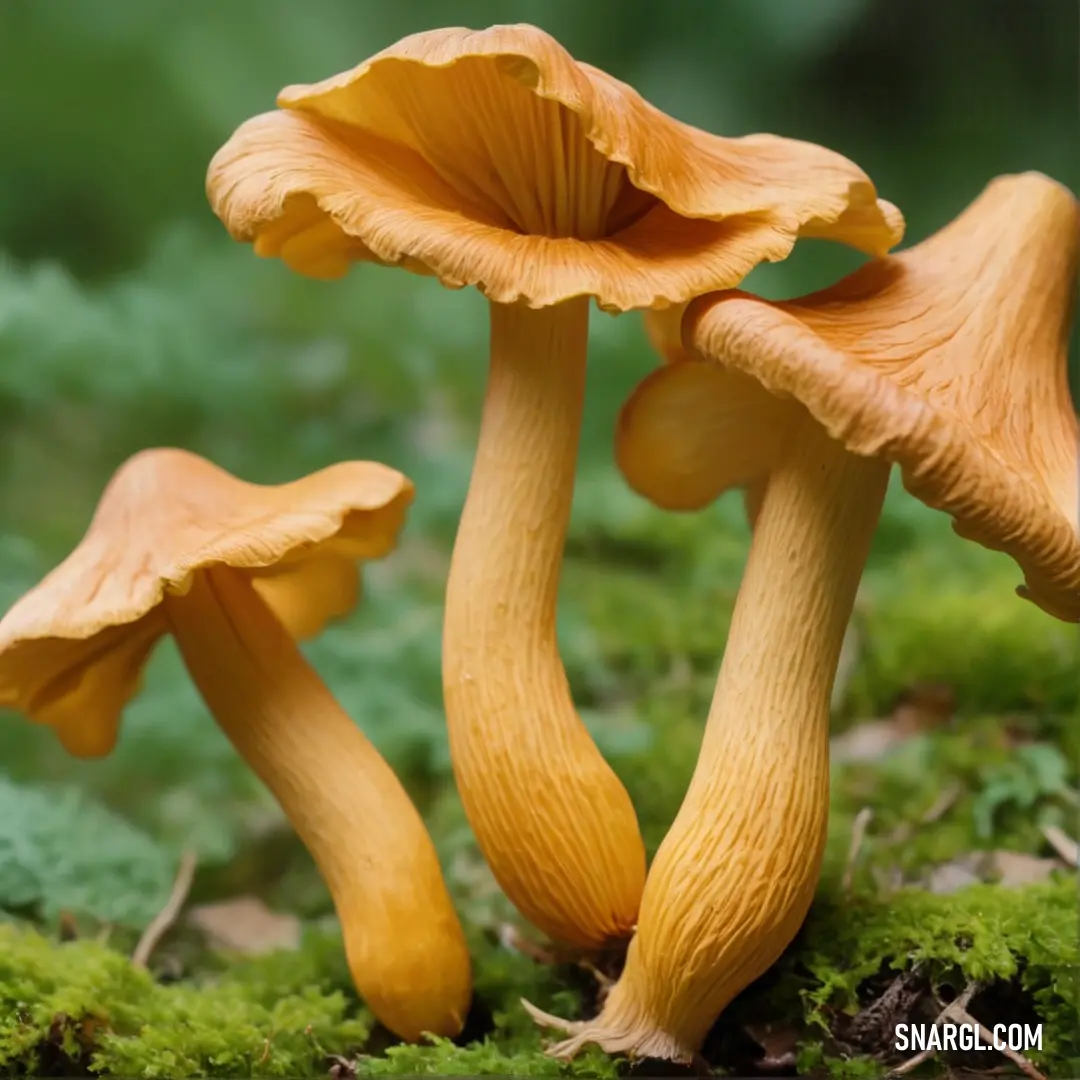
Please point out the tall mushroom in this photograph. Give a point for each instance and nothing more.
(494, 159)
(948, 359)
(179, 546)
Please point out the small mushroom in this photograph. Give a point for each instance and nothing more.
(494, 159)
(948, 359)
(178, 546)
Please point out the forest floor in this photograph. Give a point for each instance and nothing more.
(950, 868)
(948, 872)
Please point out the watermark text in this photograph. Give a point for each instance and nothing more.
(1015, 1037)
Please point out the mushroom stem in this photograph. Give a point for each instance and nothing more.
(734, 877)
(404, 944)
(553, 821)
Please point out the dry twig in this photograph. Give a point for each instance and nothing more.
(858, 835)
(942, 804)
(604, 982)
(512, 938)
(160, 924)
(1018, 1059)
(1062, 843)
(957, 1012)
(933, 813)
(912, 1063)
(925, 1055)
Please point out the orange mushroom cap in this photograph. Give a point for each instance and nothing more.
(493, 158)
(72, 649)
(949, 358)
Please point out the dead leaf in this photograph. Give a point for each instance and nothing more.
(868, 740)
(952, 876)
(778, 1043)
(1015, 868)
(923, 707)
(341, 1068)
(1010, 869)
(246, 925)
(920, 708)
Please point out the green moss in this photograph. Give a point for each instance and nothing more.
(950, 614)
(1020, 945)
(814, 1061)
(982, 933)
(285, 1014)
(643, 635)
(86, 1003)
(486, 1058)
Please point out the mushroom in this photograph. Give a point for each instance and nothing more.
(492, 158)
(948, 359)
(178, 546)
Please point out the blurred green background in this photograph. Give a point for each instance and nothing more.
(129, 318)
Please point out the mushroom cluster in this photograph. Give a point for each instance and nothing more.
(493, 159)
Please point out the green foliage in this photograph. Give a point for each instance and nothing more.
(996, 799)
(514, 1045)
(1036, 771)
(288, 1014)
(62, 852)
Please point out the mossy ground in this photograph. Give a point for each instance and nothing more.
(80, 1007)
(647, 603)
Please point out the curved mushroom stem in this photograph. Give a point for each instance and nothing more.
(553, 821)
(734, 878)
(405, 946)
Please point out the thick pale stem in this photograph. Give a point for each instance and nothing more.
(404, 943)
(554, 822)
(733, 879)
